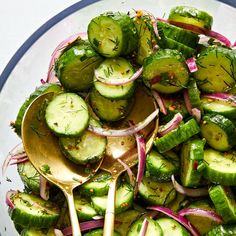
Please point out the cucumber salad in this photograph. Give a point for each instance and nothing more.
(186, 183)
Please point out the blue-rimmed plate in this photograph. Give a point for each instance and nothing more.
(30, 64)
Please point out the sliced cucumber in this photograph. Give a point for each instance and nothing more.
(223, 230)
(84, 209)
(169, 68)
(220, 167)
(29, 176)
(177, 136)
(171, 227)
(45, 88)
(177, 204)
(156, 193)
(124, 200)
(107, 109)
(218, 107)
(98, 185)
(192, 155)
(219, 131)
(216, 69)
(146, 38)
(113, 34)
(194, 94)
(224, 202)
(178, 34)
(125, 220)
(153, 228)
(38, 232)
(75, 67)
(67, 114)
(114, 68)
(161, 167)
(88, 148)
(99, 232)
(201, 223)
(191, 16)
(32, 211)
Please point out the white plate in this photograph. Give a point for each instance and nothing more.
(28, 66)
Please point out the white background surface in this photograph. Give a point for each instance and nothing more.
(20, 18)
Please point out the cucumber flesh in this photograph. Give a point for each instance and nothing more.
(220, 167)
(67, 114)
(38, 232)
(99, 232)
(223, 230)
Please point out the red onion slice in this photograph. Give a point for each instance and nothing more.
(160, 102)
(8, 198)
(176, 217)
(223, 97)
(58, 232)
(144, 227)
(219, 37)
(201, 212)
(187, 102)
(191, 63)
(197, 114)
(20, 160)
(16, 153)
(171, 125)
(141, 161)
(117, 81)
(191, 192)
(87, 225)
(51, 77)
(129, 171)
(44, 190)
(124, 132)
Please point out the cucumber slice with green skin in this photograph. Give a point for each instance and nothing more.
(45, 88)
(201, 223)
(192, 155)
(32, 211)
(75, 67)
(192, 16)
(156, 193)
(113, 34)
(29, 176)
(126, 219)
(223, 230)
(98, 185)
(224, 202)
(114, 68)
(173, 105)
(177, 136)
(99, 232)
(153, 228)
(171, 227)
(107, 109)
(161, 167)
(146, 38)
(220, 167)
(38, 232)
(67, 115)
(219, 132)
(169, 67)
(178, 34)
(218, 107)
(124, 200)
(194, 94)
(216, 69)
(177, 204)
(84, 209)
(88, 148)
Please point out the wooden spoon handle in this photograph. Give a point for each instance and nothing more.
(108, 229)
(73, 216)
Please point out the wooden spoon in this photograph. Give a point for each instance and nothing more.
(42, 148)
(124, 148)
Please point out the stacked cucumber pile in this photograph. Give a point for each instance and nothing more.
(196, 140)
